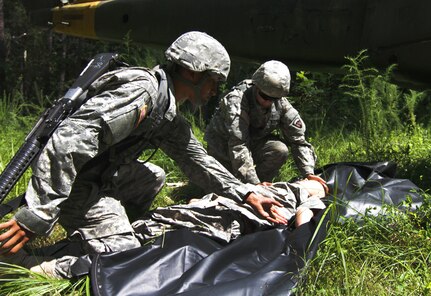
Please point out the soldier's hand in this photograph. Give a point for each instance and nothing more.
(266, 207)
(320, 180)
(13, 237)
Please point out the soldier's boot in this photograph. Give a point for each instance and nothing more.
(47, 266)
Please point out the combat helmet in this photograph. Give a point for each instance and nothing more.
(273, 79)
(199, 52)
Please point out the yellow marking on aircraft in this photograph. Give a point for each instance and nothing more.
(76, 19)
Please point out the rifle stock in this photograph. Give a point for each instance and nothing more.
(51, 119)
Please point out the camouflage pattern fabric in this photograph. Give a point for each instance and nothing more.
(273, 78)
(213, 57)
(222, 218)
(89, 170)
(241, 135)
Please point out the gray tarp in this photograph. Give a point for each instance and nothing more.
(266, 261)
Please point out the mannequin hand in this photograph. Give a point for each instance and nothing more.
(320, 180)
(266, 207)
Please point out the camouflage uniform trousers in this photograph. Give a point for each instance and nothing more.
(95, 217)
(269, 154)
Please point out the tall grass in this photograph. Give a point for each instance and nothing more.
(385, 255)
(389, 254)
(19, 281)
(14, 127)
(384, 108)
(389, 128)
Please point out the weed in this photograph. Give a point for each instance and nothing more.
(385, 255)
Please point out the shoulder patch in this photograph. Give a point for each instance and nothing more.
(298, 123)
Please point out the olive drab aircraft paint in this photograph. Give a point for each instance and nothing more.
(313, 35)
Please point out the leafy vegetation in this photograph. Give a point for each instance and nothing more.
(15, 280)
(360, 116)
(385, 255)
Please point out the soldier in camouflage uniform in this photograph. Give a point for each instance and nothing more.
(89, 173)
(241, 132)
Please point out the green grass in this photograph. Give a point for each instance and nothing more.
(385, 255)
(19, 281)
(388, 255)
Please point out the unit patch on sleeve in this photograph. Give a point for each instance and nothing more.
(298, 123)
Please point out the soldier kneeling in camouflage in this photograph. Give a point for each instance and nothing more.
(89, 174)
(240, 134)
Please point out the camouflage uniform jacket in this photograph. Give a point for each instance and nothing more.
(127, 112)
(240, 120)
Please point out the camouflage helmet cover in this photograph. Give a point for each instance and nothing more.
(199, 52)
(273, 78)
